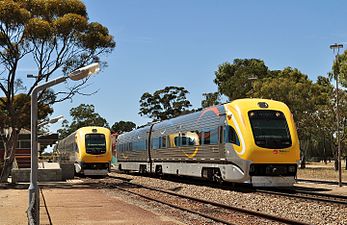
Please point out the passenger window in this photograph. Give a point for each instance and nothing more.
(207, 138)
(155, 143)
(214, 136)
(177, 141)
(220, 131)
(195, 138)
(200, 137)
(163, 142)
(184, 139)
(231, 136)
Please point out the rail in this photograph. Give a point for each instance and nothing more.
(206, 202)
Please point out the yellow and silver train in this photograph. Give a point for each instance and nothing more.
(89, 149)
(251, 141)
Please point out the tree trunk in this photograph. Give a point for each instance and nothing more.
(9, 155)
(303, 163)
(324, 151)
(336, 164)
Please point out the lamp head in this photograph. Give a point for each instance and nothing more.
(84, 71)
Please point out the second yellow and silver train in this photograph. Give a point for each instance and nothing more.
(89, 149)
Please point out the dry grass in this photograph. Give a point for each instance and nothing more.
(321, 171)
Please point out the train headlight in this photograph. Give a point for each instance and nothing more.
(291, 169)
(263, 105)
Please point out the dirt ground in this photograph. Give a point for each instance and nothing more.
(320, 171)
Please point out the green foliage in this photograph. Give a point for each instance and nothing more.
(58, 36)
(165, 103)
(235, 80)
(340, 68)
(211, 99)
(21, 107)
(303, 97)
(123, 126)
(82, 116)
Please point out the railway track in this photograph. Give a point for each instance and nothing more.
(307, 195)
(330, 182)
(215, 211)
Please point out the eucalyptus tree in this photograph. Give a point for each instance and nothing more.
(339, 72)
(56, 36)
(165, 103)
(82, 116)
(235, 80)
(123, 126)
(211, 99)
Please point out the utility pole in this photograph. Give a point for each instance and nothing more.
(336, 49)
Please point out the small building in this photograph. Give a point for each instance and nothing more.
(23, 148)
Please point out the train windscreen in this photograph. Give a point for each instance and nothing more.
(95, 144)
(270, 129)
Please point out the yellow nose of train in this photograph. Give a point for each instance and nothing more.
(266, 131)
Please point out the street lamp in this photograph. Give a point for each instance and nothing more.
(336, 48)
(34, 205)
(51, 121)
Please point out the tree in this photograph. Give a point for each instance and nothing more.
(165, 103)
(82, 116)
(211, 99)
(339, 73)
(58, 37)
(235, 80)
(123, 126)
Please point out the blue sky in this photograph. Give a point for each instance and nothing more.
(182, 42)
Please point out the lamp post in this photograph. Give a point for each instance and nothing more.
(336, 48)
(78, 74)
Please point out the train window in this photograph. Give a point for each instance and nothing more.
(155, 143)
(95, 143)
(163, 142)
(270, 129)
(214, 136)
(193, 138)
(135, 146)
(207, 137)
(177, 141)
(139, 145)
(231, 136)
(130, 144)
(143, 145)
(220, 130)
(183, 139)
(200, 135)
(189, 139)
